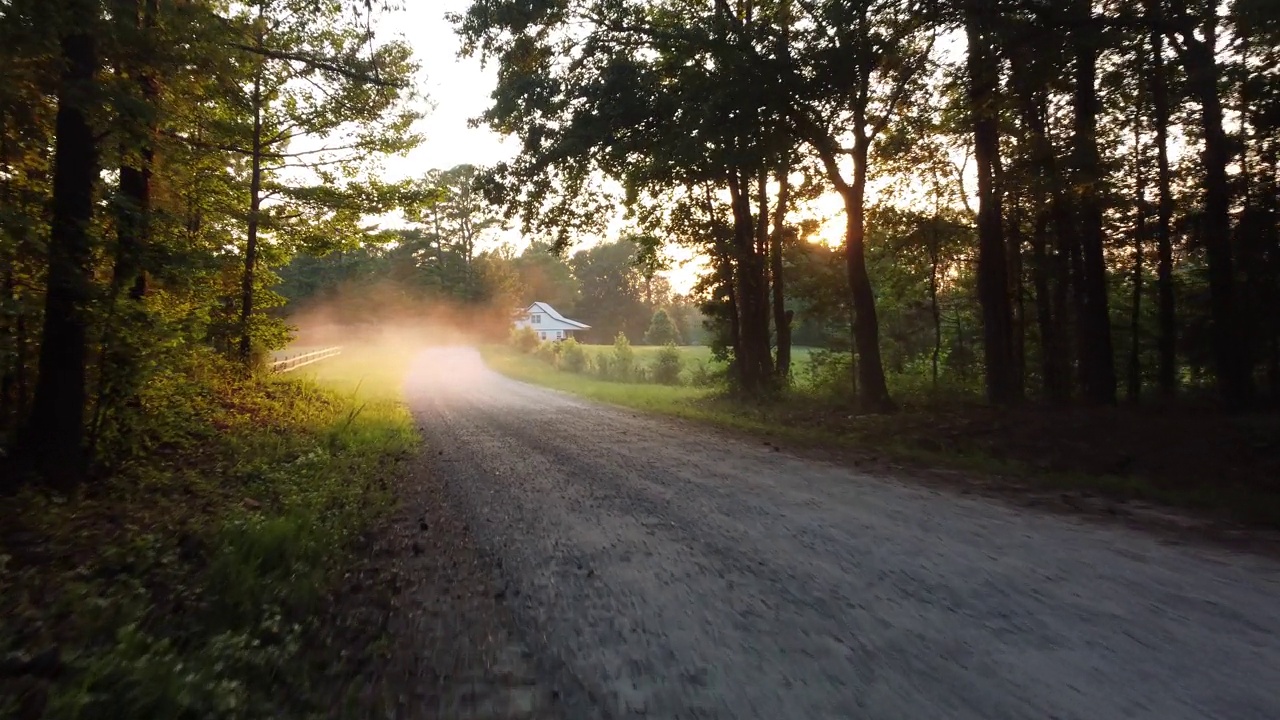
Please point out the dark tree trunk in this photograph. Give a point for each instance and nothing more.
(54, 437)
(754, 363)
(1019, 309)
(934, 311)
(1051, 268)
(1270, 199)
(781, 318)
(1231, 360)
(1097, 372)
(993, 281)
(873, 392)
(251, 239)
(133, 212)
(1134, 390)
(1052, 354)
(1167, 303)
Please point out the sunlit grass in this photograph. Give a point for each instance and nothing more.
(192, 581)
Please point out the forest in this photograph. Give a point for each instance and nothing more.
(1076, 201)
(1073, 202)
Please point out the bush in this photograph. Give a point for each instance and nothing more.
(661, 330)
(828, 374)
(705, 375)
(573, 357)
(604, 366)
(524, 339)
(624, 358)
(547, 352)
(667, 365)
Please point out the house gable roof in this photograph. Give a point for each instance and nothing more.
(545, 308)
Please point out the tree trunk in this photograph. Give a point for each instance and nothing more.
(133, 218)
(781, 318)
(754, 363)
(1270, 198)
(1134, 392)
(873, 392)
(1167, 311)
(1097, 372)
(1019, 309)
(993, 281)
(1235, 378)
(1052, 354)
(54, 437)
(934, 311)
(251, 239)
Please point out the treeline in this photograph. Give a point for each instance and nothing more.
(157, 160)
(1098, 179)
(449, 255)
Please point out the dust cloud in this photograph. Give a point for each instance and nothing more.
(388, 324)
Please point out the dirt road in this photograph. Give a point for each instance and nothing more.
(659, 569)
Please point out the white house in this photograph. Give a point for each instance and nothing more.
(549, 324)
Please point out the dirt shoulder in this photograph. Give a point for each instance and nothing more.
(1182, 475)
(449, 648)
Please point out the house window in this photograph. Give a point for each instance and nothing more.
(542, 336)
(559, 334)
(536, 319)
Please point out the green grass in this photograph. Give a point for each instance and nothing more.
(691, 354)
(671, 400)
(192, 581)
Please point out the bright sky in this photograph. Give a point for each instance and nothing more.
(459, 89)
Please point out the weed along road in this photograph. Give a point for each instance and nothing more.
(658, 569)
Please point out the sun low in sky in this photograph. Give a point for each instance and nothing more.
(459, 90)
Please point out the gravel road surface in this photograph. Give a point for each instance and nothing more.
(663, 570)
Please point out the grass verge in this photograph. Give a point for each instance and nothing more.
(192, 580)
(1221, 467)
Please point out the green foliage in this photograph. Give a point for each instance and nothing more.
(667, 365)
(622, 365)
(524, 339)
(192, 585)
(662, 330)
(573, 357)
(827, 375)
(548, 352)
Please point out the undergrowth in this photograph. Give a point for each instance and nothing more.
(190, 582)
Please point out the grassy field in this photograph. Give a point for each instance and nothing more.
(693, 356)
(192, 578)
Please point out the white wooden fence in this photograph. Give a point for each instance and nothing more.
(293, 362)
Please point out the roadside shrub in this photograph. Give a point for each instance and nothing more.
(624, 358)
(828, 374)
(573, 357)
(703, 374)
(547, 352)
(666, 365)
(524, 339)
(662, 330)
(604, 366)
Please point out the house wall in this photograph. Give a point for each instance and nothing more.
(547, 326)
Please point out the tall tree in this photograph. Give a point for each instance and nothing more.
(1168, 323)
(993, 283)
(849, 72)
(54, 436)
(1195, 36)
(1097, 356)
